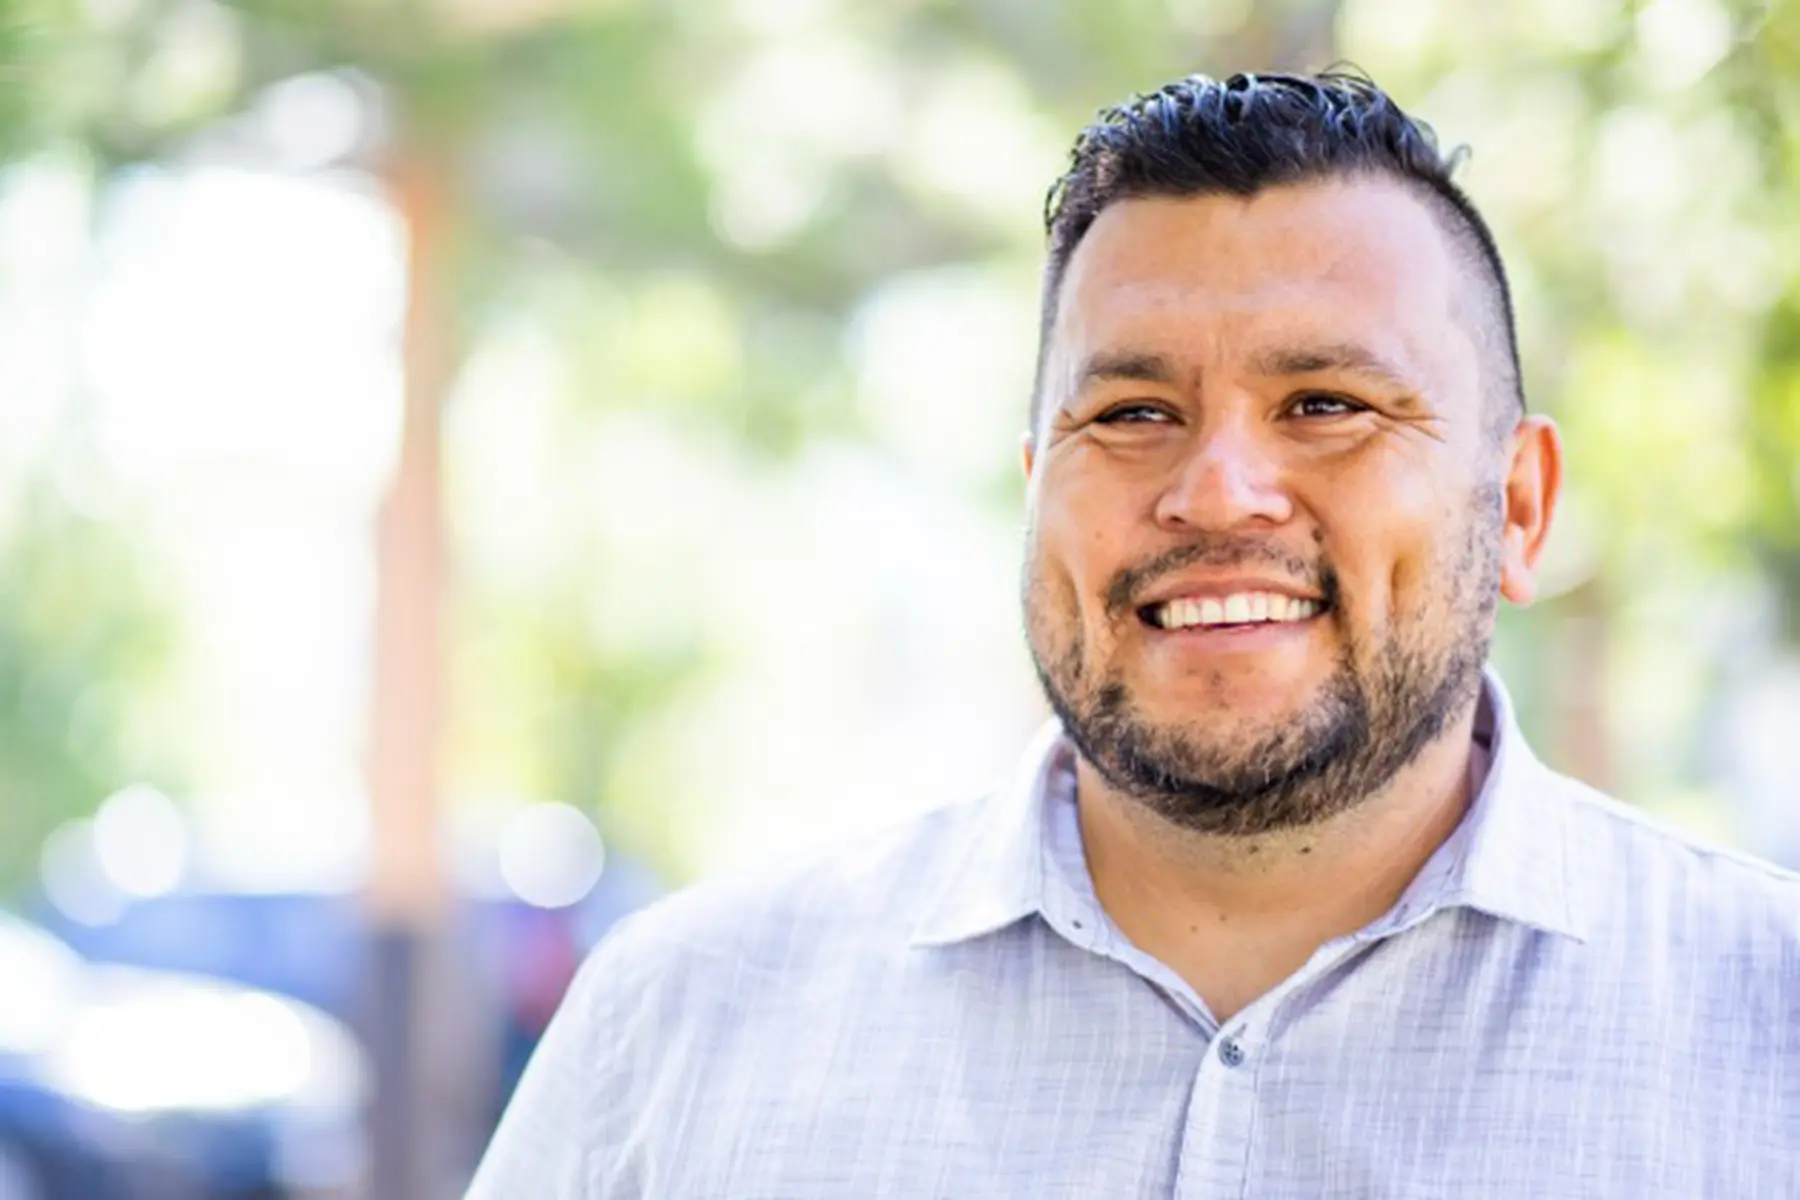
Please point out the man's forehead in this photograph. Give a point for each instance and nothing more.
(1358, 259)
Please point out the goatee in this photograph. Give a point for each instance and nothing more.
(1366, 723)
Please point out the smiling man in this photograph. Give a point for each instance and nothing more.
(1281, 905)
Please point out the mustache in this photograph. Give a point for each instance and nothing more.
(1134, 581)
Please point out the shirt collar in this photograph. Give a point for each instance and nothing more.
(1000, 878)
(1509, 857)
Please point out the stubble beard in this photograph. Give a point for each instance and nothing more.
(1365, 725)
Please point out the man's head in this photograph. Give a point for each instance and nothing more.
(1280, 472)
(1199, 137)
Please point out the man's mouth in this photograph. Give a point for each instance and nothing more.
(1238, 608)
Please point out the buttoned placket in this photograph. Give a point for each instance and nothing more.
(1218, 1142)
(1216, 1160)
(1217, 1156)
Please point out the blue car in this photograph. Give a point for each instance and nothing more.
(316, 947)
(120, 1083)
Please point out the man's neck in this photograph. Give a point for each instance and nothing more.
(1235, 916)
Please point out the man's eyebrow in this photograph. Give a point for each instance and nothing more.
(1107, 366)
(1349, 357)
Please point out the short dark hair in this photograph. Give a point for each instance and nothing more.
(1200, 136)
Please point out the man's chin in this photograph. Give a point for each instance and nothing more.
(1221, 753)
(1245, 709)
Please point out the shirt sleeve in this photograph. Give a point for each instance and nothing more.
(541, 1147)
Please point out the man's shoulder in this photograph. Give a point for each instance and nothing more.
(681, 1002)
(849, 900)
(1640, 869)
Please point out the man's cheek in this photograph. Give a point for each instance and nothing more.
(1079, 555)
(1408, 588)
(1382, 578)
(1364, 603)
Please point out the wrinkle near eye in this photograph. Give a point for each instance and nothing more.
(1429, 424)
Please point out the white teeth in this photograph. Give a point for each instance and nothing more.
(1240, 608)
(1178, 614)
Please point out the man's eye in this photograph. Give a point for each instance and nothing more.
(1132, 414)
(1321, 404)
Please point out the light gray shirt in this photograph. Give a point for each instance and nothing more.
(1569, 1001)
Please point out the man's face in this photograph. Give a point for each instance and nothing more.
(1266, 506)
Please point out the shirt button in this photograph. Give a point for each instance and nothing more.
(1230, 1053)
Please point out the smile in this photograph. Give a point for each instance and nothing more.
(1238, 608)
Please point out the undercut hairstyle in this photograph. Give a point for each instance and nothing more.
(1199, 136)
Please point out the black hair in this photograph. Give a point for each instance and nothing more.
(1200, 136)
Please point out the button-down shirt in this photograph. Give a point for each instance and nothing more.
(1569, 1000)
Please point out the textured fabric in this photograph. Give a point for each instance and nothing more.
(1568, 1001)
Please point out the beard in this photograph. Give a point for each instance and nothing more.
(1372, 716)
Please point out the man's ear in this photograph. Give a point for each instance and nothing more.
(1533, 485)
(1027, 450)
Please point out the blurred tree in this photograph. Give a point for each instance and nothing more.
(18, 36)
(82, 635)
(1764, 83)
(82, 630)
(693, 197)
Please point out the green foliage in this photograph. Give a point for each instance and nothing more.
(83, 638)
(82, 635)
(686, 205)
(1774, 436)
(31, 34)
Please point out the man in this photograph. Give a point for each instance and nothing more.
(1282, 905)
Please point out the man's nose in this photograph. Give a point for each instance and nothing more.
(1230, 479)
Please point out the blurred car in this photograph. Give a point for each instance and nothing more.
(316, 947)
(120, 1083)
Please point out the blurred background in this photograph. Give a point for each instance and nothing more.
(468, 466)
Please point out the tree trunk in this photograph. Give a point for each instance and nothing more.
(406, 892)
